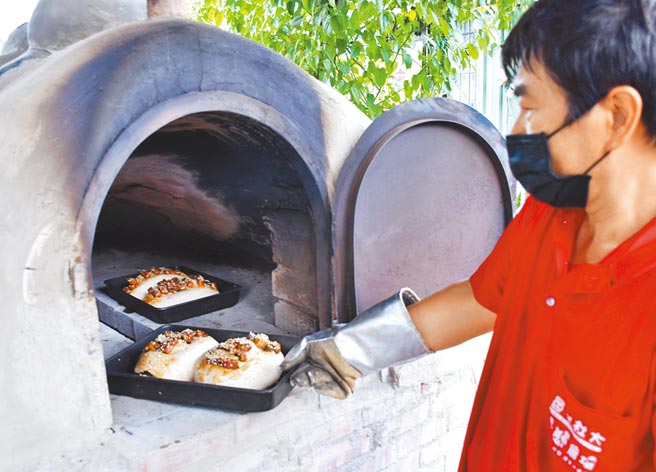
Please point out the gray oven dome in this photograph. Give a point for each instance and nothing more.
(69, 125)
(15, 45)
(56, 24)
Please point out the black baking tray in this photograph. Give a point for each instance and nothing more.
(228, 296)
(123, 381)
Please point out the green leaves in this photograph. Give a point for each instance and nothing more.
(377, 52)
(472, 50)
(407, 59)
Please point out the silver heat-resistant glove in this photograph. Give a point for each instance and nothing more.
(332, 360)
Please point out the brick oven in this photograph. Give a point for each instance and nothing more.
(145, 142)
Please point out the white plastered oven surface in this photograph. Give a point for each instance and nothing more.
(412, 417)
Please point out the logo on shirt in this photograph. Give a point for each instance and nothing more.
(571, 440)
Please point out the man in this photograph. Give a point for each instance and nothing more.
(570, 288)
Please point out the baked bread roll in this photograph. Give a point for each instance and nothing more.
(252, 363)
(173, 355)
(162, 287)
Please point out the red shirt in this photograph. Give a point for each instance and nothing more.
(569, 380)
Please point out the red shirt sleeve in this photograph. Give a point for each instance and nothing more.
(653, 413)
(489, 280)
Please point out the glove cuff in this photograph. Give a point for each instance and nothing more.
(382, 336)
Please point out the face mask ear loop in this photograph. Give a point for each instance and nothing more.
(564, 125)
(596, 162)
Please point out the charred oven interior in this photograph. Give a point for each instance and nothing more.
(219, 192)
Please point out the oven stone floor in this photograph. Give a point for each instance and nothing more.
(253, 311)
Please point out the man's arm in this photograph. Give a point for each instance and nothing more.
(450, 317)
(395, 330)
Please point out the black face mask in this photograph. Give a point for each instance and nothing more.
(530, 162)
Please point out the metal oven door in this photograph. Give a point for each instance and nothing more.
(420, 202)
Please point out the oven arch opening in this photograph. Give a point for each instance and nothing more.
(211, 147)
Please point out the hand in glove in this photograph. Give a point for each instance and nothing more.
(332, 360)
(319, 364)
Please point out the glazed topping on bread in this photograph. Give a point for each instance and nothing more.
(176, 284)
(154, 285)
(146, 274)
(262, 341)
(222, 358)
(237, 347)
(167, 341)
(229, 353)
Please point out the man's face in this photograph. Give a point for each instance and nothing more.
(543, 109)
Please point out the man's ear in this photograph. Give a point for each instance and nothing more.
(624, 106)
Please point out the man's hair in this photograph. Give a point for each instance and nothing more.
(588, 47)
